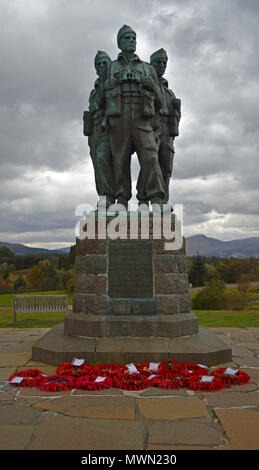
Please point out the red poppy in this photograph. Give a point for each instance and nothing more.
(31, 378)
(69, 369)
(55, 383)
(238, 378)
(93, 382)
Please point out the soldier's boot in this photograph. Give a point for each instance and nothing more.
(123, 202)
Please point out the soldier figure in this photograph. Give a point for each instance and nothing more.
(132, 96)
(166, 128)
(96, 129)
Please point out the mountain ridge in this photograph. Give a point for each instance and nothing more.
(20, 249)
(206, 246)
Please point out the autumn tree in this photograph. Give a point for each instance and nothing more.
(43, 276)
(244, 283)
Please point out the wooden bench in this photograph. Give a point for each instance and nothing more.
(39, 303)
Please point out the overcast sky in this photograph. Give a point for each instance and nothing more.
(47, 50)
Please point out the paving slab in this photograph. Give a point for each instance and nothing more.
(172, 408)
(234, 399)
(18, 413)
(253, 345)
(66, 433)
(6, 372)
(7, 396)
(242, 427)
(15, 437)
(17, 347)
(92, 407)
(241, 351)
(253, 373)
(14, 358)
(247, 361)
(11, 338)
(186, 447)
(185, 432)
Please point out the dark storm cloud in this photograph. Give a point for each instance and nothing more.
(47, 54)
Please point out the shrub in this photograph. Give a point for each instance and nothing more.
(211, 297)
(5, 286)
(235, 300)
(70, 285)
(20, 285)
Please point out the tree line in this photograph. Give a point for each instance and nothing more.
(202, 269)
(41, 272)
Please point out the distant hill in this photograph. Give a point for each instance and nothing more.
(20, 249)
(206, 246)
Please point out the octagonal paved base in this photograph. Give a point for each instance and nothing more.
(204, 348)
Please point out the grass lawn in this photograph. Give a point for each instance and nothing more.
(249, 317)
(6, 300)
(33, 320)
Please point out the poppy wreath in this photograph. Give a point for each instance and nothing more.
(171, 382)
(169, 368)
(143, 368)
(88, 382)
(132, 382)
(55, 383)
(195, 383)
(239, 378)
(68, 369)
(110, 370)
(31, 378)
(194, 369)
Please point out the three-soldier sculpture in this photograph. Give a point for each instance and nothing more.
(131, 109)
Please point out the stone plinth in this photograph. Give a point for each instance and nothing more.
(131, 299)
(129, 284)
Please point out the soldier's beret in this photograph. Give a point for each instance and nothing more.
(101, 55)
(160, 54)
(125, 29)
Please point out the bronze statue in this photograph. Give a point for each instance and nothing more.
(131, 109)
(131, 98)
(165, 127)
(96, 129)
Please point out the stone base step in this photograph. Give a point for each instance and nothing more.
(154, 326)
(204, 348)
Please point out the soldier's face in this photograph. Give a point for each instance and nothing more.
(128, 42)
(100, 66)
(160, 66)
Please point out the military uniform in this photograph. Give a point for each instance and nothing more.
(166, 129)
(130, 106)
(99, 141)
